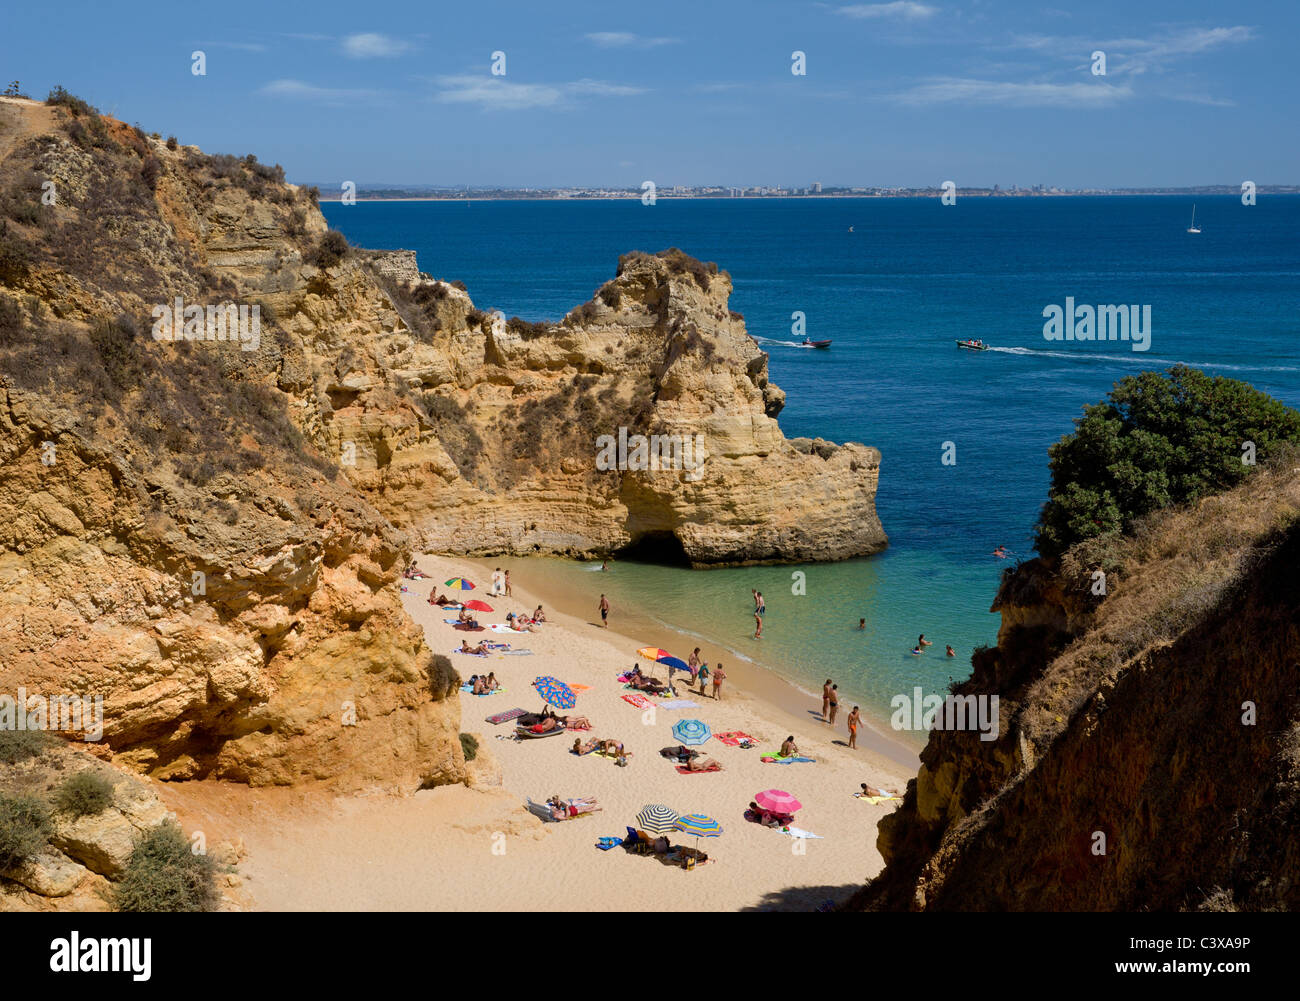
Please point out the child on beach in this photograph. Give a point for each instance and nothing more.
(719, 675)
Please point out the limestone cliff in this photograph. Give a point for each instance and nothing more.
(1149, 746)
(170, 541)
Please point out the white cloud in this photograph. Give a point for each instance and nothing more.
(625, 40)
(957, 90)
(373, 46)
(492, 93)
(298, 90)
(1139, 55)
(904, 9)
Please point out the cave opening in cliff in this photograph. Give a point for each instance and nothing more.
(662, 548)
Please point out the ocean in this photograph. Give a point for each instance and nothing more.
(893, 282)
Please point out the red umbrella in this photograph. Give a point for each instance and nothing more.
(478, 606)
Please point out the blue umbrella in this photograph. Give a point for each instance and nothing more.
(673, 664)
(556, 693)
(691, 731)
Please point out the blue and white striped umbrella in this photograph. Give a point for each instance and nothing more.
(655, 818)
(556, 693)
(691, 731)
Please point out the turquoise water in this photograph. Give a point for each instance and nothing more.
(893, 295)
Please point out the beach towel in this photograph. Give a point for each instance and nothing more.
(580, 688)
(799, 832)
(608, 842)
(517, 653)
(876, 800)
(715, 767)
(734, 738)
(452, 622)
(774, 758)
(679, 704)
(496, 627)
(502, 647)
(506, 716)
(468, 654)
(638, 700)
(468, 629)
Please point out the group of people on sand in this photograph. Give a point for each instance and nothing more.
(482, 684)
(767, 818)
(563, 809)
(831, 708)
(413, 572)
(500, 583)
(610, 748)
(701, 672)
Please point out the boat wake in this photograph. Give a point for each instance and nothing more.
(1141, 360)
(772, 342)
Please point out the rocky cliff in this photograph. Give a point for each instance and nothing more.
(208, 529)
(1149, 746)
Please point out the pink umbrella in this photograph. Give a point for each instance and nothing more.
(778, 802)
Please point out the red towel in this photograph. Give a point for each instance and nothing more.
(638, 700)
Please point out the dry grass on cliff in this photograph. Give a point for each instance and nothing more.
(1175, 568)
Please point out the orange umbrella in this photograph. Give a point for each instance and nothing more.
(652, 653)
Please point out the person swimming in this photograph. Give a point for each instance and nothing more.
(951, 652)
(862, 624)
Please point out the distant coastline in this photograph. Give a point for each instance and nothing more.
(563, 195)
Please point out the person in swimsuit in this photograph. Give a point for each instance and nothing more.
(762, 605)
(539, 615)
(835, 703)
(826, 699)
(789, 747)
(922, 642)
(604, 610)
(719, 676)
(693, 663)
(951, 652)
(507, 583)
(758, 624)
(703, 676)
(491, 684)
(855, 718)
(862, 624)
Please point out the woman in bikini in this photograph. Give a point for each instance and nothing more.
(581, 748)
(855, 718)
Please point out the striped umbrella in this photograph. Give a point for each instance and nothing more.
(556, 693)
(651, 653)
(655, 818)
(691, 731)
(699, 825)
(459, 584)
(777, 801)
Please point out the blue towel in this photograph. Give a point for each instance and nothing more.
(608, 842)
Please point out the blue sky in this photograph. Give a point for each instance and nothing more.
(911, 92)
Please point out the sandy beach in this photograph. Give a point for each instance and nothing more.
(478, 848)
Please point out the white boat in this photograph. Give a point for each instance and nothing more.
(1192, 228)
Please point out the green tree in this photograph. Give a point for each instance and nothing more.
(1158, 439)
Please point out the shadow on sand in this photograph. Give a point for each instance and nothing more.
(804, 898)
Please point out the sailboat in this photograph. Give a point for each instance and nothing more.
(1192, 228)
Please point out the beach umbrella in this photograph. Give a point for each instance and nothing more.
(556, 693)
(691, 731)
(673, 663)
(651, 653)
(655, 818)
(459, 584)
(777, 801)
(478, 606)
(699, 825)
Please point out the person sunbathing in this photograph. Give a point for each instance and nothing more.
(539, 615)
(467, 619)
(413, 572)
(581, 748)
(576, 722)
(562, 810)
(702, 763)
(788, 747)
(477, 685)
(466, 648)
(491, 684)
(547, 725)
(870, 792)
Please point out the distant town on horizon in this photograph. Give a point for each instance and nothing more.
(815, 190)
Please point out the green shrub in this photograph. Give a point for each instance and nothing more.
(164, 874)
(74, 104)
(84, 795)
(19, 745)
(24, 829)
(1157, 440)
(469, 746)
(333, 245)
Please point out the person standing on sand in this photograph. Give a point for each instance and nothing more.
(604, 611)
(719, 676)
(703, 676)
(835, 703)
(693, 664)
(855, 718)
(826, 699)
(507, 583)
